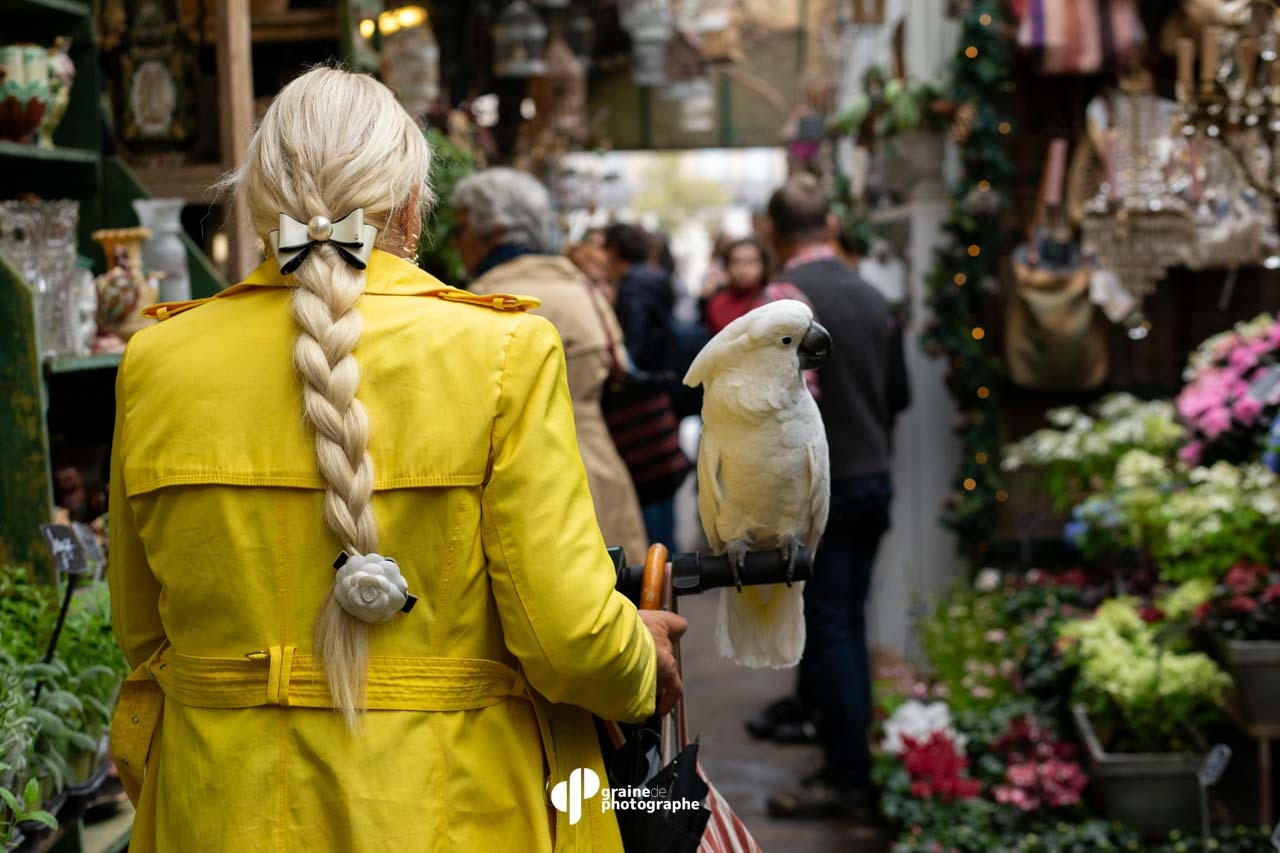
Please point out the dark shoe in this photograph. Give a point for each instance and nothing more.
(787, 711)
(817, 799)
(803, 731)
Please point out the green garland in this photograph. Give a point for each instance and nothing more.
(979, 87)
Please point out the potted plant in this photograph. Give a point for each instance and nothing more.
(1139, 708)
(24, 810)
(1243, 614)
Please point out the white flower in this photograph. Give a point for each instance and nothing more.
(988, 580)
(916, 720)
(370, 587)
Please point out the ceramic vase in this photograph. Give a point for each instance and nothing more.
(123, 290)
(24, 90)
(163, 254)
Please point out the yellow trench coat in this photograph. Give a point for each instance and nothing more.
(480, 697)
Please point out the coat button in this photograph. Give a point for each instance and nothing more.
(136, 719)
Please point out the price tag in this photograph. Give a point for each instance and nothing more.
(68, 552)
(1214, 765)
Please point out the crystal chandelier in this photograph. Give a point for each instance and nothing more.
(1135, 227)
(1235, 96)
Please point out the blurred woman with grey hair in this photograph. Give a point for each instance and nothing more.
(504, 230)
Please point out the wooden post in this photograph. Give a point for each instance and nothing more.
(235, 105)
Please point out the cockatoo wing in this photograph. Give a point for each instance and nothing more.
(710, 491)
(819, 474)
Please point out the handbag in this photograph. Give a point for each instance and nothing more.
(657, 756)
(638, 412)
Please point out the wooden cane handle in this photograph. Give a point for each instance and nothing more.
(651, 583)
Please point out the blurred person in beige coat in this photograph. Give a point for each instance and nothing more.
(503, 226)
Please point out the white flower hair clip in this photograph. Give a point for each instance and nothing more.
(371, 588)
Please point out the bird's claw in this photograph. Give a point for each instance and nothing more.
(790, 552)
(737, 554)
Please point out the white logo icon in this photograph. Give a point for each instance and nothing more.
(568, 796)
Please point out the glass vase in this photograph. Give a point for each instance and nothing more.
(163, 254)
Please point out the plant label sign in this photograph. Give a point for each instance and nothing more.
(1214, 765)
(68, 552)
(89, 543)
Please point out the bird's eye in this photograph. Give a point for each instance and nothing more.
(786, 341)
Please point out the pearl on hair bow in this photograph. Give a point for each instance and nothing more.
(349, 235)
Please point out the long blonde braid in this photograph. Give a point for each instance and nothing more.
(332, 142)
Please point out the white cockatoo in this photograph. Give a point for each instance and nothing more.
(764, 478)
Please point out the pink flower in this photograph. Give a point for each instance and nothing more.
(1243, 358)
(1151, 615)
(1215, 422)
(1242, 604)
(1271, 593)
(1246, 410)
(1243, 578)
(1191, 453)
(1022, 775)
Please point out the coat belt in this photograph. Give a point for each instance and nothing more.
(279, 675)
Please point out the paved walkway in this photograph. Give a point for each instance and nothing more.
(720, 697)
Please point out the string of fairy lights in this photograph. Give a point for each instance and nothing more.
(963, 269)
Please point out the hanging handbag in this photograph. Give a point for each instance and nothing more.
(638, 412)
(1054, 337)
(634, 753)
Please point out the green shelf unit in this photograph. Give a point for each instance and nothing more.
(74, 364)
(70, 9)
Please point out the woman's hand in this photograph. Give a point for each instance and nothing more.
(666, 628)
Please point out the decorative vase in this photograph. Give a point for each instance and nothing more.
(62, 301)
(24, 90)
(1255, 666)
(62, 73)
(155, 78)
(1154, 793)
(164, 255)
(123, 290)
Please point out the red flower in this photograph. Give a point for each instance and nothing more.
(1271, 593)
(1151, 615)
(921, 790)
(1076, 577)
(1242, 604)
(1202, 612)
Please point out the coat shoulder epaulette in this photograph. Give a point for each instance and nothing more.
(494, 301)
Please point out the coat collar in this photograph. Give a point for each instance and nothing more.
(385, 274)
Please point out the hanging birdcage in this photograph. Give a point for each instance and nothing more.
(650, 24)
(519, 39)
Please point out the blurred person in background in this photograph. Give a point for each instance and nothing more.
(863, 388)
(746, 266)
(593, 262)
(644, 304)
(503, 225)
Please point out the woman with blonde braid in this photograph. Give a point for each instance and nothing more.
(354, 558)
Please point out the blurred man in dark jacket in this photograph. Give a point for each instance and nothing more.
(645, 295)
(863, 386)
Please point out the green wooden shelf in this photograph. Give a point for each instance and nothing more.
(73, 364)
(68, 8)
(26, 151)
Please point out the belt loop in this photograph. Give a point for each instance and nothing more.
(273, 676)
(519, 687)
(286, 673)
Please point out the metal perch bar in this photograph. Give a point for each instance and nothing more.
(692, 573)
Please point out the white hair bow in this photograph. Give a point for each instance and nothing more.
(349, 235)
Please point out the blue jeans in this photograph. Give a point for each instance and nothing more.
(660, 523)
(835, 673)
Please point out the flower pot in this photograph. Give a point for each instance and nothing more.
(1255, 666)
(79, 796)
(15, 841)
(1152, 792)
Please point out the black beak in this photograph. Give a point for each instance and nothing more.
(814, 347)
